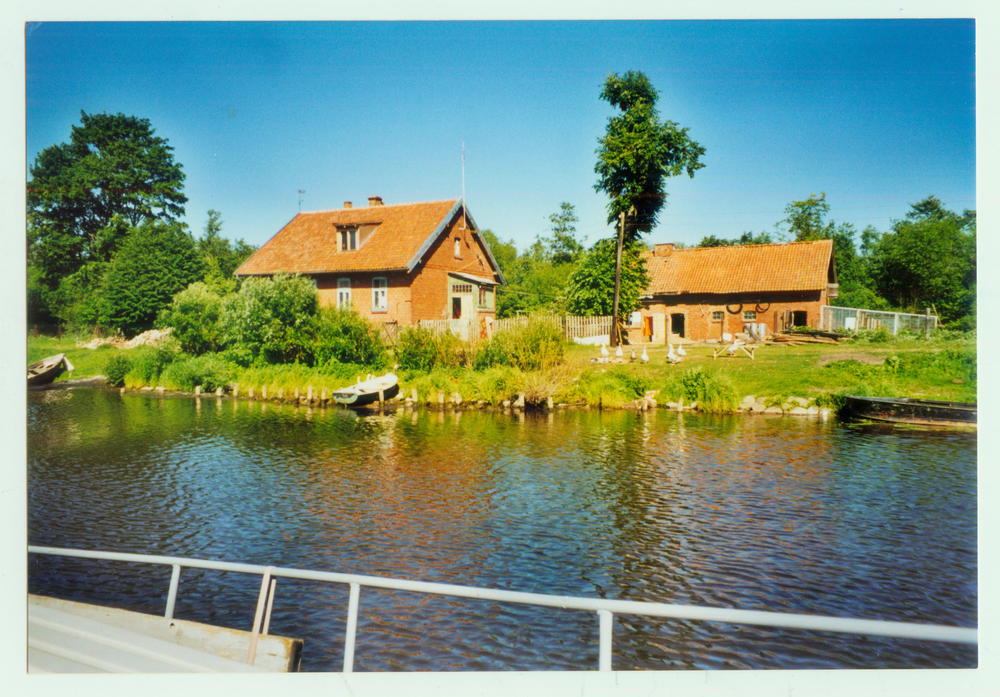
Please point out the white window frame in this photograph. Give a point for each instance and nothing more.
(717, 315)
(749, 315)
(380, 288)
(344, 299)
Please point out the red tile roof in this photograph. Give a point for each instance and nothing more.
(308, 244)
(799, 266)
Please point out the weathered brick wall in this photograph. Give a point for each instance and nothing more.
(430, 287)
(698, 309)
(398, 295)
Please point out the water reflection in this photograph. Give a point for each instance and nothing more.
(754, 513)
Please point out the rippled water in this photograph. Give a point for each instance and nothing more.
(781, 514)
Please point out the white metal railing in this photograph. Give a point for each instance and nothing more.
(605, 608)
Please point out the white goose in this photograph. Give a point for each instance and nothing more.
(680, 351)
(604, 353)
(671, 356)
(619, 353)
(632, 357)
(644, 358)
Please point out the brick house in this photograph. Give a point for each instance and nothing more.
(701, 293)
(396, 264)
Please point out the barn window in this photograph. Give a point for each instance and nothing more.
(749, 316)
(717, 316)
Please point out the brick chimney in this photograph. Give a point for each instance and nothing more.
(348, 204)
(663, 250)
(374, 201)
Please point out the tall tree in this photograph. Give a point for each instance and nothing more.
(805, 219)
(221, 257)
(157, 261)
(639, 152)
(85, 195)
(563, 246)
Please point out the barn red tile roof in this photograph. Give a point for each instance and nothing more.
(308, 244)
(799, 266)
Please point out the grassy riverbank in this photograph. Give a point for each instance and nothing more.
(941, 368)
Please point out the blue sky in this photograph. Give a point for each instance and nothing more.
(876, 113)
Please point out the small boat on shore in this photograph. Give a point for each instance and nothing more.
(48, 369)
(918, 412)
(372, 390)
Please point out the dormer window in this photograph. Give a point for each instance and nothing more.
(348, 239)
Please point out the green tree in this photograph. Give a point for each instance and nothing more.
(85, 195)
(639, 152)
(563, 247)
(156, 261)
(805, 219)
(221, 257)
(745, 238)
(929, 258)
(590, 291)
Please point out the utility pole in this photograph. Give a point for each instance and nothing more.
(618, 277)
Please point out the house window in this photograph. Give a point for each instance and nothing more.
(717, 316)
(343, 293)
(485, 297)
(348, 240)
(380, 288)
(749, 316)
(461, 289)
(458, 247)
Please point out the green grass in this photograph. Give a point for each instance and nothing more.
(938, 369)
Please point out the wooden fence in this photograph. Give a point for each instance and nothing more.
(570, 327)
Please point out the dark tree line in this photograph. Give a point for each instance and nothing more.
(105, 243)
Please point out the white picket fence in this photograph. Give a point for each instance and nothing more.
(571, 327)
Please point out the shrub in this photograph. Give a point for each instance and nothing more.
(714, 393)
(417, 348)
(347, 337)
(537, 345)
(194, 316)
(210, 372)
(116, 368)
(149, 362)
(270, 321)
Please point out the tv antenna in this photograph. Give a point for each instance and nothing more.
(301, 191)
(464, 215)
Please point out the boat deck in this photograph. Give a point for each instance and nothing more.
(68, 637)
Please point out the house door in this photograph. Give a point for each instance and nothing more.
(677, 324)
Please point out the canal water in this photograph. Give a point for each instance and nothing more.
(757, 513)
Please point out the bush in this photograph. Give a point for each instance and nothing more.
(210, 372)
(271, 321)
(147, 363)
(537, 345)
(194, 316)
(347, 337)
(419, 349)
(714, 393)
(116, 368)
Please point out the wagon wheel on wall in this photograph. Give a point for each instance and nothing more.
(738, 306)
(762, 307)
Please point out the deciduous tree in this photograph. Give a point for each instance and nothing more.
(590, 291)
(83, 196)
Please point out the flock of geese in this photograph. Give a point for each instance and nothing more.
(672, 356)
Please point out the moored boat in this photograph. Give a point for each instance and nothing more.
(374, 389)
(48, 369)
(920, 412)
